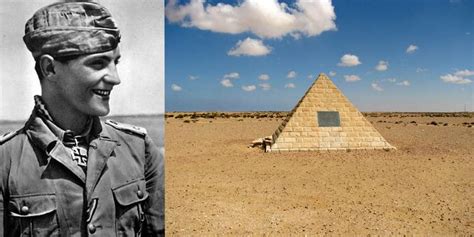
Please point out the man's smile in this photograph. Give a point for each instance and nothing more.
(101, 92)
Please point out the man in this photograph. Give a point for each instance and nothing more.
(67, 173)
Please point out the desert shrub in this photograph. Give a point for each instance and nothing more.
(211, 116)
(186, 121)
(433, 123)
(179, 116)
(224, 115)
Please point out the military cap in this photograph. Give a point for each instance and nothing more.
(71, 28)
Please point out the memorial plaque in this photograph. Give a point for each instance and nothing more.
(328, 119)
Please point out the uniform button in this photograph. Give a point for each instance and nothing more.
(139, 194)
(25, 209)
(91, 228)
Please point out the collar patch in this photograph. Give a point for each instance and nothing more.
(128, 128)
(7, 136)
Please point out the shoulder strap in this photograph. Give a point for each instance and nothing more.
(128, 128)
(7, 136)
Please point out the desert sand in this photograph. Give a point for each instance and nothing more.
(216, 185)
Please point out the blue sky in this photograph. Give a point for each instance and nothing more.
(385, 55)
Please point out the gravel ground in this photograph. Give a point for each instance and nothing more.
(216, 185)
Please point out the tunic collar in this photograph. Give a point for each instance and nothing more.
(44, 132)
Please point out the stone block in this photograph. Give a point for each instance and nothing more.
(324, 134)
(378, 144)
(324, 144)
(297, 129)
(290, 139)
(328, 139)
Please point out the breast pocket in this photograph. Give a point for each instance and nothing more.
(129, 200)
(33, 215)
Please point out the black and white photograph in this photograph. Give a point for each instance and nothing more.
(81, 118)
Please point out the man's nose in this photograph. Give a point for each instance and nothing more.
(112, 76)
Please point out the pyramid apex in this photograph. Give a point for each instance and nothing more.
(322, 74)
(323, 77)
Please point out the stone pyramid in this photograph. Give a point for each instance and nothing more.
(324, 119)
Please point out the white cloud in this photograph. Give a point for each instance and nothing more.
(264, 77)
(349, 60)
(376, 87)
(266, 19)
(226, 83)
(404, 83)
(291, 74)
(331, 73)
(249, 88)
(382, 66)
(226, 79)
(351, 78)
(310, 76)
(392, 80)
(175, 87)
(412, 48)
(232, 75)
(449, 78)
(419, 69)
(249, 47)
(290, 85)
(459, 77)
(265, 86)
(464, 73)
(192, 78)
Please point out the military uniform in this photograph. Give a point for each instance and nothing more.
(45, 193)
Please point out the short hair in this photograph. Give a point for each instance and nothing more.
(63, 59)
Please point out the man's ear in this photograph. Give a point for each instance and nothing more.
(47, 66)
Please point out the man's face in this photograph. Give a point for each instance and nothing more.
(85, 83)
